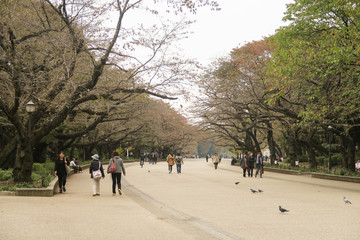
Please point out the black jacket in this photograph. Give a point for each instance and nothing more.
(60, 167)
(95, 166)
(250, 161)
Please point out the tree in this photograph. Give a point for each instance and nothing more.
(316, 61)
(55, 53)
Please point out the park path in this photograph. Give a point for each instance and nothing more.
(200, 203)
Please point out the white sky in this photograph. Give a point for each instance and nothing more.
(239, 21)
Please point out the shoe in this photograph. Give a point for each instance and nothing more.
(114, 194)
(98, 194)
(60, 191)
(120, 191)
(94, 195)
(64, 189)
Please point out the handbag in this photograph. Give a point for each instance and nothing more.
(67, 169)
(97, 174)
(112, 167)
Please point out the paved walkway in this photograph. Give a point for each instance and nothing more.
(200, 203)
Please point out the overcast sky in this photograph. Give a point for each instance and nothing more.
(239, 21)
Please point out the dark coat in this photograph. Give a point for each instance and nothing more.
(94, 166)
(60, 167)
(250, 161)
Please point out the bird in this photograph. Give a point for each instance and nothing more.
(253, 191)
(237, 183)
(260, 190)
(346, 200)
(283, 209)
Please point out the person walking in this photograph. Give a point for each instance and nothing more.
(259, 164)
(207, 158)
(250, 163)
(142, 160)
(60, 171)
(171, 161)
(243, 164)
(116, 174)
(215, 160)
(178, 161)
(96, 166)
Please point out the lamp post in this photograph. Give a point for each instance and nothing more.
(330, 136)
(30, 108)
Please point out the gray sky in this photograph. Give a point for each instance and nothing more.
(239, 21)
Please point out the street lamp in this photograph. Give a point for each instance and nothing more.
(330, 136)
(30, 108)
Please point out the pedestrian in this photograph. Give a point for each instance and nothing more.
(171, 161)
(60, 171)
(250, 164)
(78, 165)
(215, 160)
(259, 164)
(116, 175)
(94, 167)
(243, 164)
(142, 160)
(207, 158)
(179, 161)
(156, 156)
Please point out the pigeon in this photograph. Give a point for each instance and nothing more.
(237, 183)
(346, 200)
(283, 209)
(260, 190)
(253, 191)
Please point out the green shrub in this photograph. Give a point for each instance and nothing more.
(47, 180)
(6, 175)
(303, 158)
(321, 160)
(25, 185)
(336, 159)
(35, 177)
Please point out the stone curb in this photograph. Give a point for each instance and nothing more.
(43, 192)
(313, 174)
(336, 177)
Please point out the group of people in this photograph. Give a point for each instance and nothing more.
(248, 162)
(171, 159)
(96, 170)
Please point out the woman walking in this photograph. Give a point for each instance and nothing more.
(96, 172)
(179, 161)
(250, 163)
(243, 164)
(60, 171)
(116, 173)
(171, 161)
(215, 160)
(259, 164)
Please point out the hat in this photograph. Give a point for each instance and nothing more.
(95, 156)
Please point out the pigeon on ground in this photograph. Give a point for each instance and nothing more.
(283, 209)
(237, 183)
(260, 190)
(253, 191)
(346, 200)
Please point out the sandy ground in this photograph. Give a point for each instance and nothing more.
(199, 203)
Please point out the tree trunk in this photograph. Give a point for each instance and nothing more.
(7, 154)
(292, 150)
(351, 150)
(24, 161)
(312, 159)
(271, 144)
